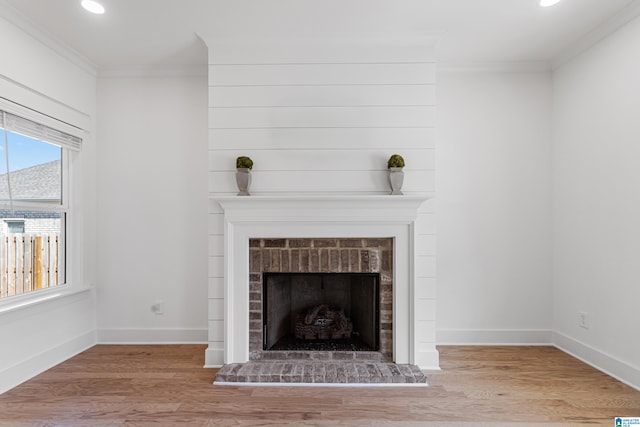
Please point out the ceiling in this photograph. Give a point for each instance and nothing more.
(156, 33)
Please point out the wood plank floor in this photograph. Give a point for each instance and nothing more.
(167, 386)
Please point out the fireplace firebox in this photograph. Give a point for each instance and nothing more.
(321, 311)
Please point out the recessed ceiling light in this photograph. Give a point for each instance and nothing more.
(93, 6)
(547, 3)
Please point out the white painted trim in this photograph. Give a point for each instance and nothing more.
(610, 365)
(213, 357)
(369, 48)
(610, 26)
(19, 93)
(158, 71)
(427, 360)
(494, 337)
(494, 67)
(315, 216)
(12, 15)
(315, 208)
(620, 370)
(152, 336)
(47, 359)
(20, 302)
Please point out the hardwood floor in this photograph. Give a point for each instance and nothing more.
(167, 386)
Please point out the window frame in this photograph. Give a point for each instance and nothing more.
(10, 222)
(69, 227)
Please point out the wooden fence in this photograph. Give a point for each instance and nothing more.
(28, 262)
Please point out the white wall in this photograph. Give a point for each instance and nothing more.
(152, 209)
(597, 204)
(319, 118)
(493, 207)
(53, 82)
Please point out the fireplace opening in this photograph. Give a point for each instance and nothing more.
(321, 311)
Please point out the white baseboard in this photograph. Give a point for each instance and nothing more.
(213, 357)
(600, 360)
(428, 360)
(493, 337)
(39, 363)
(152, 336)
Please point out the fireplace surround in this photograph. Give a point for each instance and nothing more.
(325, 217)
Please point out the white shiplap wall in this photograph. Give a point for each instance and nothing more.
(322, 119)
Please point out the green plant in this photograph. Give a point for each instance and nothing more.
(244, 162)
(395, 161)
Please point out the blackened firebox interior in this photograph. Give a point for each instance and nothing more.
(321, 311)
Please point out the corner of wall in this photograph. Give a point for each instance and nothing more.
(38, 363)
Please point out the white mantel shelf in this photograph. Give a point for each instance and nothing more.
(320, 208)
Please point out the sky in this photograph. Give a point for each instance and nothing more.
(25, 152)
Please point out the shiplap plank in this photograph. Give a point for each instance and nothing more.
(428, 207)
(426, 332)
(320, 117)
(214, 208)
(369, 51)
(265, 160)
(303, 96)
(216, 329)
(425, 223)
(216, 266)
(425, 266)
(216, 287)
(321, 181)
(216, 309)
(216, 223)
(425, 311)
(321, 74)
(216, 245)
(425, 245)
(425, 288)
(427, 346)
(325, 138)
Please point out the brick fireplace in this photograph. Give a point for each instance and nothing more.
(354, 275)
(323, 233)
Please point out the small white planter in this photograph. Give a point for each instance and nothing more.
(396, 178)
(243, 179)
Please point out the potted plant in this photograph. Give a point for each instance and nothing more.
(243, 174)
(395, 164)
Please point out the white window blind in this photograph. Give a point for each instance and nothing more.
(15, 118)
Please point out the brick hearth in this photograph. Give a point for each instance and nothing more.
(320, 372)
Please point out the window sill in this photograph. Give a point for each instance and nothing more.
(21, 302)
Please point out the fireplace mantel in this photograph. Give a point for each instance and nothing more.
(322, 216)
(312, 208)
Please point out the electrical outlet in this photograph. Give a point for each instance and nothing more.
(157, 307)
(583, 320)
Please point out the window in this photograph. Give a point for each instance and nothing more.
(34, 199)
(15, 225)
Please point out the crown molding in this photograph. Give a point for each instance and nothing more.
(154, 71)
(494, 67)
(610, 26)
(366, 48)
(16, 18)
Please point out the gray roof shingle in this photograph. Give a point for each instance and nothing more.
(36, 183)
